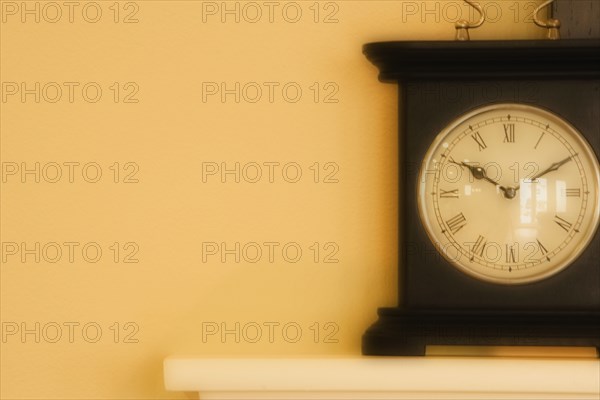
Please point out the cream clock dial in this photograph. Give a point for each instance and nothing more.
(509, 193)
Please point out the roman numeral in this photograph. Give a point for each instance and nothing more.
(511, 256)
(509, 133)
(574, 192)
(479, 247)
(566, 225)
(479, 140)
(543, 250)
(456, 223)
(449, 194)
(539, 140)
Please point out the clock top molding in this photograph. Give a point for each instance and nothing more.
(509, 59)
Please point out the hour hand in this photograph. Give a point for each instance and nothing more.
(479, 173)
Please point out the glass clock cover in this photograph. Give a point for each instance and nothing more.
(508, 193)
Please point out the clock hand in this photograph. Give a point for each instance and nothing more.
(479, 173)
(552, 167)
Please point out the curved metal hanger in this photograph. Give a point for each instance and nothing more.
(552, 24)
(462, 26)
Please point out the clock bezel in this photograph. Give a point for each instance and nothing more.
(430, 226)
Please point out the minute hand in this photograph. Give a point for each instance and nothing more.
(552, 167)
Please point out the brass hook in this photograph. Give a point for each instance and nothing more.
(552, 24)
(462, 26)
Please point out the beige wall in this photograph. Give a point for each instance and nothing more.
(118, 319)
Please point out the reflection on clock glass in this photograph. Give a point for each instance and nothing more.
(509, 193)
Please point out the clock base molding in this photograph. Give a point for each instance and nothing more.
(378, 378)
(408, 333)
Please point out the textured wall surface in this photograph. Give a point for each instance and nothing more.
(196, 177)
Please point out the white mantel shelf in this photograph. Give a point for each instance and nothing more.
(376, 378)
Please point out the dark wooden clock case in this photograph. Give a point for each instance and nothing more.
(439, 305)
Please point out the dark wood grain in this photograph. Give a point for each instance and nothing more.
(580, 19)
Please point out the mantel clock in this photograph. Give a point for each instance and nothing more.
(499, 201)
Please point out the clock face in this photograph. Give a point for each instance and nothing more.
(509, 193)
